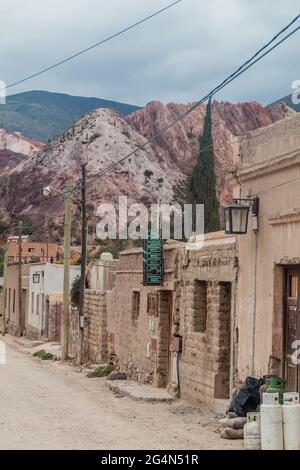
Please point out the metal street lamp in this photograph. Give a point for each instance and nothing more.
(236, 215)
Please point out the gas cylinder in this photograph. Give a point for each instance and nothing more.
(291, 421)
(271, 427)
(252, 439)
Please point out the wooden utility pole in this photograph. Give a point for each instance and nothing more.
(4, 292)
(20, 303)
(83, 264)
(67, 253)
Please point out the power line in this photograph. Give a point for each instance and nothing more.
(242, 69)
(103, 41)
(239, 71)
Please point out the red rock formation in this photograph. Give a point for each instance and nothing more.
(180, 144)
(112, 136)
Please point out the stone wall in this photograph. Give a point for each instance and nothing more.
(32, 333)
(137, 340)
(95, 348)
(207, 321)
(140, 328)
(196, 304)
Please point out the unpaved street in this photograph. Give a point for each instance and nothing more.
(52, 406)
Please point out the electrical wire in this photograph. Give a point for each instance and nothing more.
(239, 71)
(242, 69)
(103, 41)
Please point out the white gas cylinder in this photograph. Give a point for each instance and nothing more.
(252, 431)
(271, 427)
(291, 421)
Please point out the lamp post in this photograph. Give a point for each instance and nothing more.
(236, 215)
(47, 191)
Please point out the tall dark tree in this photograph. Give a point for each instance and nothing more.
(202, 184)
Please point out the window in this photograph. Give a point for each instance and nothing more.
(135, 305)
(32, 302)
(37, 304)
(31, 250)
(293, 286)
(200, 306)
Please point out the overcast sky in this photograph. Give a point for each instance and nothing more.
(178, 56)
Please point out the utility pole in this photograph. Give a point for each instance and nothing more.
(4, 291)
(83, 264)
(20, 280)
(67, 252)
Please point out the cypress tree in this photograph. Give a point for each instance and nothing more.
(202, 184)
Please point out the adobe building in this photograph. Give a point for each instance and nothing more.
(268, 292)
(177, 335)
(32, 252)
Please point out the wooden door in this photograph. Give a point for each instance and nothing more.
(292, 330)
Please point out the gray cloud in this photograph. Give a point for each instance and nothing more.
(177, 57)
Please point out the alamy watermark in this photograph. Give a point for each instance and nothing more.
(296, 92)
(134, 221)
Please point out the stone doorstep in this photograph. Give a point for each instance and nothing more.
(139, 392)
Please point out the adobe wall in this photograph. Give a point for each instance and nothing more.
(137, 341)
(207, 366)
(95, 349)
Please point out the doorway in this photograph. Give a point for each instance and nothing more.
(164, 360)
(292, 330)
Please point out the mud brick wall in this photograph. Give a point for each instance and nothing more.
(137, 343)
(206, 323)
(95, 347)
(32, 333)
(96, 338)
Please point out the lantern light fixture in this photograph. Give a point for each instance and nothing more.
(236, 215)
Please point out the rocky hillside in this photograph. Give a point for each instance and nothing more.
(16, 142)
(180, 145)
(111, 136)
(14, 149)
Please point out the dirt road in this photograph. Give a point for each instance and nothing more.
(52, 406)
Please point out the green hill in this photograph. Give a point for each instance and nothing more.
(42, 115)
